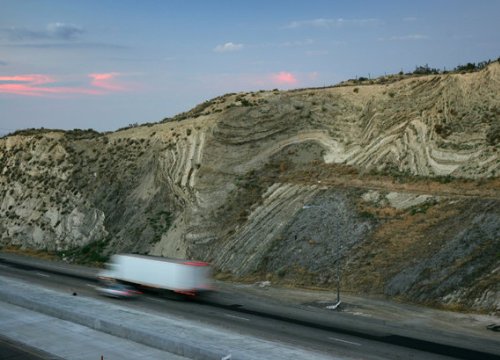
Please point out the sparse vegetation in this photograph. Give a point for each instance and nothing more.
(90, 254)
(128, 187)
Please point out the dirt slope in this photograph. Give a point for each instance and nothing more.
(395, 182)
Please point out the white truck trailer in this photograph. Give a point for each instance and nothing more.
(182, 276)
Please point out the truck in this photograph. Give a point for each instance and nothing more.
(143, 271)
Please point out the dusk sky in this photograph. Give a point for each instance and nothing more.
(105, 64)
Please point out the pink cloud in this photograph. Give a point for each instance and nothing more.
(106, 81)
(284, 78)
(230, 82)
(45, 85)
(24, 84)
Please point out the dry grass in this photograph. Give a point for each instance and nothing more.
(396, 244)
(344, 176)
(40, 254)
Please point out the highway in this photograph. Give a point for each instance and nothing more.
(10, 350)
(309, 329)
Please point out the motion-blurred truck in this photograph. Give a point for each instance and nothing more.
(181, 276)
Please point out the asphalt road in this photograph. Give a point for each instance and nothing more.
(10, 350)
(228, 314)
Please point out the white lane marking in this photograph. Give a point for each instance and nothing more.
(150, 298)
(345, 341)
(236, 317)
(91, 285)
(44, 275)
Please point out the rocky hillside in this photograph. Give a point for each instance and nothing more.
(394, 180)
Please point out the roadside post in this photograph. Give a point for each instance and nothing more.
(337, 242)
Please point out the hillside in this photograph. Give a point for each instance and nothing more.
(398, 181)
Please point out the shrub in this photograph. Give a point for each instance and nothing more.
(425, 70)
(493, 135)
(245, 102)
(467, 68)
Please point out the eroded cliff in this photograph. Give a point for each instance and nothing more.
(395, 182)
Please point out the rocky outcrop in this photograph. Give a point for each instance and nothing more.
(290, 186)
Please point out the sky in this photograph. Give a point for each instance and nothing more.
(106, 64)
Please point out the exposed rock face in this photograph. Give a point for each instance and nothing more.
(395, 183)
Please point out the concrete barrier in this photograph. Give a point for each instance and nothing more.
(164, 332)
